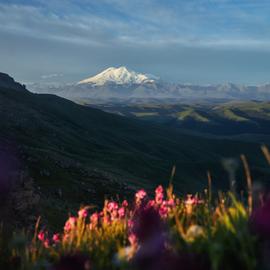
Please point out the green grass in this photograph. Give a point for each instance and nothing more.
(231, 115)
(225, 119)
(191, 114)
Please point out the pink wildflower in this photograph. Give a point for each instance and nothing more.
(171, 203)
(114, 214)
(56, 238)
(82, 213)
(140, 195)
(112, 206)
(121, 212)
(159, 195)
(41, 236)
(70, 224)
(132, 239)
(46, 243)
(125, 203)
(130, 223)
(192, 200)
(94, 218)
(159, 189)
(151, 203)
(163, 211)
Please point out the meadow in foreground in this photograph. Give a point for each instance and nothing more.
(155, 231)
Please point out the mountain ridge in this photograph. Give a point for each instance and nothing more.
(121, 83)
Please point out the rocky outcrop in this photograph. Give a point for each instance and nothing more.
(8, 82)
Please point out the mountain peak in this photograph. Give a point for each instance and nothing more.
(119, 75)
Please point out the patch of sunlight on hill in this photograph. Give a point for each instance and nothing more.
(262, 109)
(144, 114)
(249, 109)
(231, 115)
(191, 114)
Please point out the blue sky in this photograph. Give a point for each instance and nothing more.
(196, 41)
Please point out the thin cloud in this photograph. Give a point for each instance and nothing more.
(152, 26)
(51, 76)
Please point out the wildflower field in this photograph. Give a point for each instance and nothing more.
(154, 231)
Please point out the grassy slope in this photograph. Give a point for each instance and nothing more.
(78, 154)
(231, 118)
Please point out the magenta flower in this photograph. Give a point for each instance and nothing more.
(121, 212)
(94, 218)
(159, 198)
(56, 238)
(159, 189)
(159, 194)
(70, 224)
(111, 206)
(130, 224)
(190, 200)
(193, 200)
(125, 203)
(114, 214)
(82, 213)
(41, 236)
(151, 203)
(170, 203)
(140, 195)
(132, 239)
(46, 243)
(163, 211)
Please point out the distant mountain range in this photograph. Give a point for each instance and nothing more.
(121, 83)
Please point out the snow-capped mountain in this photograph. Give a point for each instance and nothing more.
(121, 83)
(119, 76)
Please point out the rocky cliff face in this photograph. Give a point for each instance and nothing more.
(8, 82)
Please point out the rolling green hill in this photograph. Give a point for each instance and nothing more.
(75, 154)
(224, 118)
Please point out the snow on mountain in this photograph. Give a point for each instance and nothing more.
(121, 83)
(119, 76)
